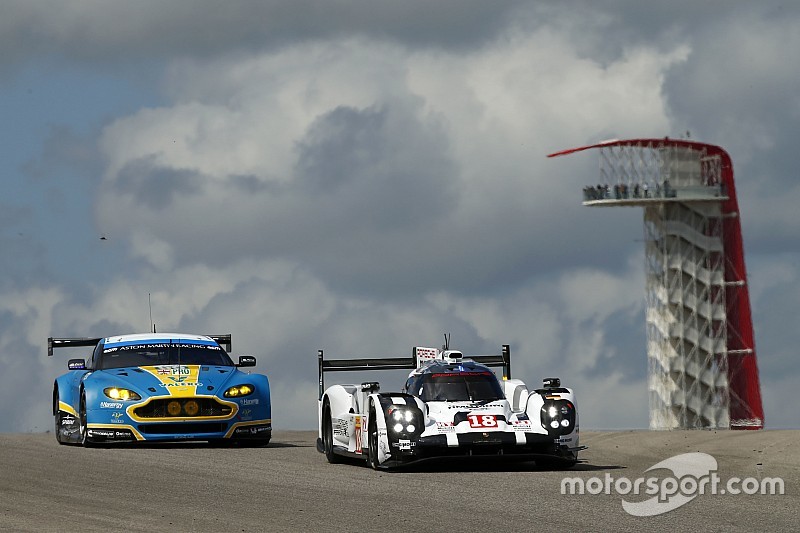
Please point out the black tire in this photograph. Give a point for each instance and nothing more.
(372, 442)
(84, 438)
(327, 434)
(57, 416)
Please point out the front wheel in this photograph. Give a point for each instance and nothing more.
(84, 437)
(372, 431)
(327, 434)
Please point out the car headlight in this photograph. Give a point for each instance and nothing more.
(558, 416)
(403, 415)
(238, 391)
(120, 394)
(404, 420)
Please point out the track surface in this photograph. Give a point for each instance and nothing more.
(289, 486)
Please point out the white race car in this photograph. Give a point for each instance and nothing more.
(450, 406)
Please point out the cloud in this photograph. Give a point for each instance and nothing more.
(102, 34)
(361, 187)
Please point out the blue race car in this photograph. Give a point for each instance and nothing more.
(159, 387)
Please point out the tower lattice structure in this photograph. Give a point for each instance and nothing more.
(702, 370)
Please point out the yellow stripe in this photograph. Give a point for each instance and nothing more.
(67, 408)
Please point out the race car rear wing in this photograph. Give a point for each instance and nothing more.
(77, 342)
(419, 355)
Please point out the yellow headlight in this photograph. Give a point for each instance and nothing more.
(174, 408)
(239, 390)
(191, 408)
(117, 393)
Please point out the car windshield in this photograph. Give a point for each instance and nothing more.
(459, 387)
(162, 353)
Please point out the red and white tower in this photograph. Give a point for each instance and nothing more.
(702, 370)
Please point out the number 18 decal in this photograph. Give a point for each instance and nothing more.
(482, 421)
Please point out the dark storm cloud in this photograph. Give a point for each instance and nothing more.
(23, 256)
(376, 168)
(106, 32)
(604, 31)
(156, 187)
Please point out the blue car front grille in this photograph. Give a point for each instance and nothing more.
(160, 408)
(170, 428)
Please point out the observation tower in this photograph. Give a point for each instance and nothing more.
(702, 370)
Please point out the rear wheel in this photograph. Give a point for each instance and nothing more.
(327, 434)
(372, 431)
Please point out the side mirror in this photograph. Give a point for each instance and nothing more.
(247, 360)
(551, 383)
(76, 364)
(370, 386)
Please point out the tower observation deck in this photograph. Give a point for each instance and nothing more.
(702, 370)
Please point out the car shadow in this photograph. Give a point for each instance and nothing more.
(188, 445)
(496, 464)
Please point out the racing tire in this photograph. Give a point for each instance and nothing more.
(372, 440)
(84, 438)
(57, 416)
(327, 434)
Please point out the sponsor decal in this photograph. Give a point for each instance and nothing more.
(108, 433)
(357, 422)
(252, 430)
(173, 370)
(178, 379)
(248, 401)
(426, 354)
(461, 405)
(110, 405)
(145, 346)
(466, 373)
(521, 425)
(405, 444)
(181, 384)
(340, 427)
(445, 427)
(117, 418)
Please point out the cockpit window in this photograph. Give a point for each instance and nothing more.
(458, 387)
(163, 353)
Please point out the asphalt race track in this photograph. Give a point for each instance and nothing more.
(288, 486)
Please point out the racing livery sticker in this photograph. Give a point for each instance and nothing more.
(176, 380)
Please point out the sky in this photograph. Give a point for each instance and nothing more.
(363, 177)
